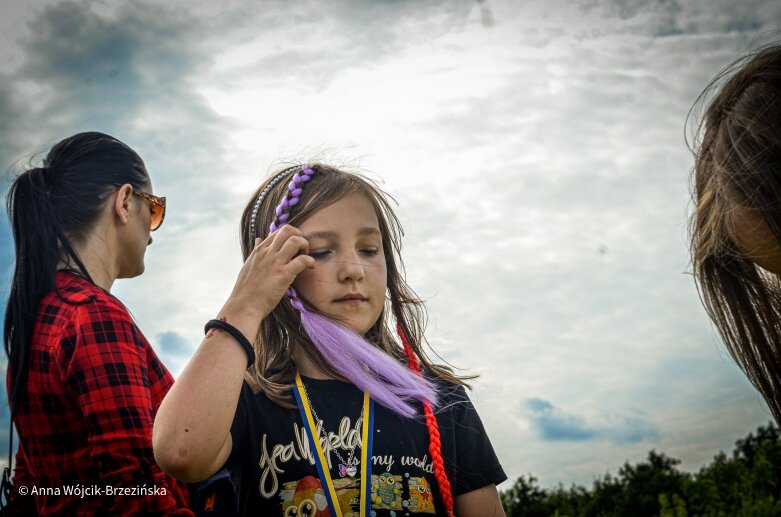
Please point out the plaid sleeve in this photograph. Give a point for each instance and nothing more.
(106, 363)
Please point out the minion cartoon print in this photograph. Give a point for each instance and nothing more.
(420, 497)
(386, 492)
(304, 498)
(348, 493)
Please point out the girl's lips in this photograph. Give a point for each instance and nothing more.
(351, 301)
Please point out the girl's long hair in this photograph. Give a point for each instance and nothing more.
(738, 172)
(52, 208)
(281, 332)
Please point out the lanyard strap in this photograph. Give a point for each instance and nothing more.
(320, 460)
(367, 441)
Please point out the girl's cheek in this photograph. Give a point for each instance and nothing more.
(303, 279)
(313, 277)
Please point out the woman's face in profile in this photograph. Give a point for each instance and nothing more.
(137, 236)
(756, 241)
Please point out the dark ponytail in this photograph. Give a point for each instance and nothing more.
(51, 208)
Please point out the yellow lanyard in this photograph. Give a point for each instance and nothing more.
(321, 462)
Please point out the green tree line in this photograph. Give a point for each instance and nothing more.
(745, 484)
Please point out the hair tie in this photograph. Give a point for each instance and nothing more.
(40, 179)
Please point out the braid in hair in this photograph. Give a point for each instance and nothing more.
(435, 443)
(295, 187)
(263, 193)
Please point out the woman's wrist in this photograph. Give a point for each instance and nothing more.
(235, 333)
(243, 316)
(248, 324)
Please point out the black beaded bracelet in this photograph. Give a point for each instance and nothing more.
(236, 334)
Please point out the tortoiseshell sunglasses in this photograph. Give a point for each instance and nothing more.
(158, 208)
(157, 205)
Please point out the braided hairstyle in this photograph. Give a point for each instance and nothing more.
(51, 208)
(435, 443)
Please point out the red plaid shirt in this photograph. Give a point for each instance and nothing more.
(93, 389)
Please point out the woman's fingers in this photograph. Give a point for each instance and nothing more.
(280, 237)
(274, 264)
(293, 247)
(301, 263)
(280, 248)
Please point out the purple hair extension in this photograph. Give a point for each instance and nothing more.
(369, 368)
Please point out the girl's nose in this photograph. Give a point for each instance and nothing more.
(351, 268)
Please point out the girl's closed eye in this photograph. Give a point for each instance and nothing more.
(371, 251)
(319, 254)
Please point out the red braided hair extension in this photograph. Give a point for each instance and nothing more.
(435, 443)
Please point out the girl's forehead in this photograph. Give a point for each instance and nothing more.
(351, 213)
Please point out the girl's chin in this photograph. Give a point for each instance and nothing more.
(359, 322)
(358, 328)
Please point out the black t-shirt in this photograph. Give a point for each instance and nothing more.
(274, 470)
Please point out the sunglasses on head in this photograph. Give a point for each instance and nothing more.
(157, 204)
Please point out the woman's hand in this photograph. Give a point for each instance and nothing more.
(268, 272)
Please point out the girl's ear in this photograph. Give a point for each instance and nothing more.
(122, 202)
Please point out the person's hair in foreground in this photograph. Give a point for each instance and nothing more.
(350, 319)
(736, 225)
(83, 382)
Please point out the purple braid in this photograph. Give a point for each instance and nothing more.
(295, 187)
(263, 193)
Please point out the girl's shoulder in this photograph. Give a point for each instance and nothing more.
(447, 388)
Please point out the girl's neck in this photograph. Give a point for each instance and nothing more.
(307, 368)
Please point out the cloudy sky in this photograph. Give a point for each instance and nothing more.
(536, 150)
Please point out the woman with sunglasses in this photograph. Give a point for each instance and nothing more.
(83, 382)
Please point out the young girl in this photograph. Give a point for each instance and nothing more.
(83, 382)
(322, 416)
(736, 225)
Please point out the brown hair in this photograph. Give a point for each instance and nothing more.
(281, 332)
(737, 174)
